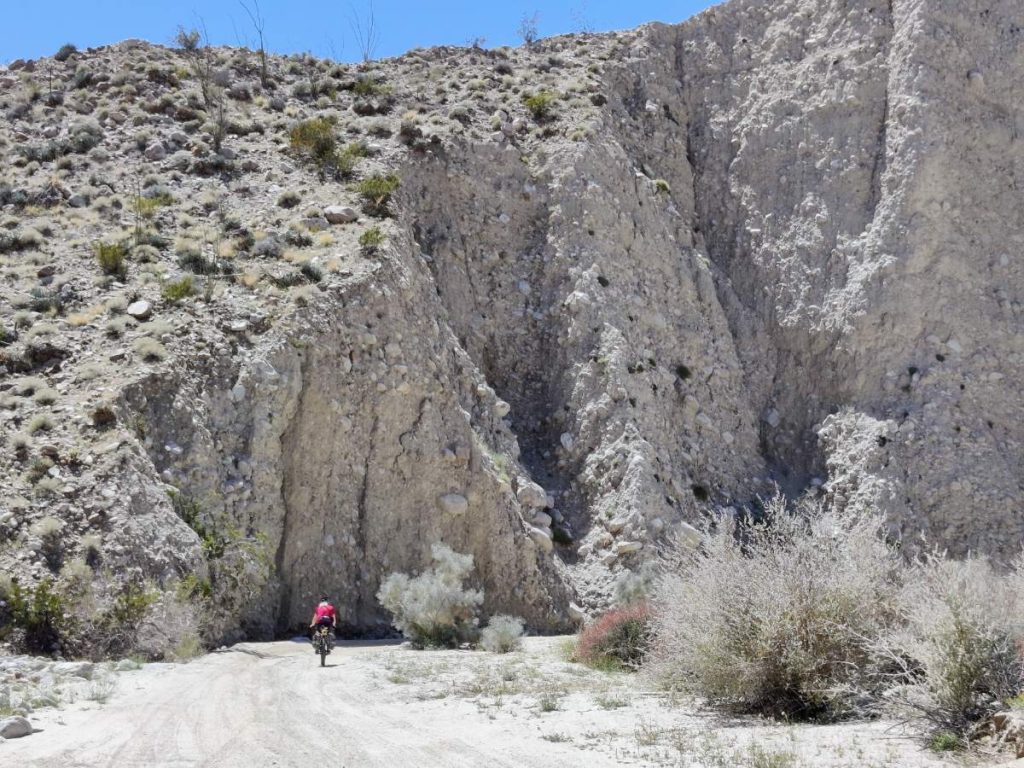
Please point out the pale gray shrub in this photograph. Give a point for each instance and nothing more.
(636, 586)
(502, 634)
(956, 653)
(434, 609)
(777, 616)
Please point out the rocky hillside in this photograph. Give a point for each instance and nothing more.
(549, 305)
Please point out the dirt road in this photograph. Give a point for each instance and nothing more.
(266, 705)
(260, 705)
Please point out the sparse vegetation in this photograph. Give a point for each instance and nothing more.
(528, 28)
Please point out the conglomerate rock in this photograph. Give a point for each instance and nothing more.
(776, 244)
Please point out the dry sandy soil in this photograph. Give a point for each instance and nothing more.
(383, 705)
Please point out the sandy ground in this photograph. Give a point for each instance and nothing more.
(383, 705)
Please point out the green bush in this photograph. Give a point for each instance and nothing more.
(315, 139)
(370, 240)
(36, 614)
(111, 258)
(377, 191)
(434, 609)
(368, 86)
(540, 104)
(176, 290)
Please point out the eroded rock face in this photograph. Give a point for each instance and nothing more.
(783, 249)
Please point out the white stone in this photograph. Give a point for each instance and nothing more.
(453, 504)
(15, 727)
(531, 495)
(140, 310)
(541, 538)
(340, 214)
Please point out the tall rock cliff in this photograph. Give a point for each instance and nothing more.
(776, 244)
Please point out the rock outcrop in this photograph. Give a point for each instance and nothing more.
(778, 243)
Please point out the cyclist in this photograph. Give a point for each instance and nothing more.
(324, 616)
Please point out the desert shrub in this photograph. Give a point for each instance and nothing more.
(49, 530)
(65, 52)
(32, 617)
(636, 586)
(111, 258)
(618, 639)
(188, 39)
(195, 262)
(311, 272)
(434, 609)
(502, 634)
(367, 85)
(316, 140)
(377, 191)
(370, 240)
(20, 240)
(85, 135)
(776, 615)
(958, 647)
(176, 290)
(289, 199)
(540, 104)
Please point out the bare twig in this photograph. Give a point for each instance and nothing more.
(259, 24)
(366, 31)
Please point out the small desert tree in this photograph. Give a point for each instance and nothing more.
(434, 609)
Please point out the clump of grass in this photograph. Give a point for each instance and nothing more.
(377, 191)
(41, 422)
(111, 258)
(46, 396)
(150, 350)
(176, 290)
(944, 741)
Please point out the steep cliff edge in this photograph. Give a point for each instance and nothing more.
(774, 244)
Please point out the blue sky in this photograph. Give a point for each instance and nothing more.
(33, 28)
